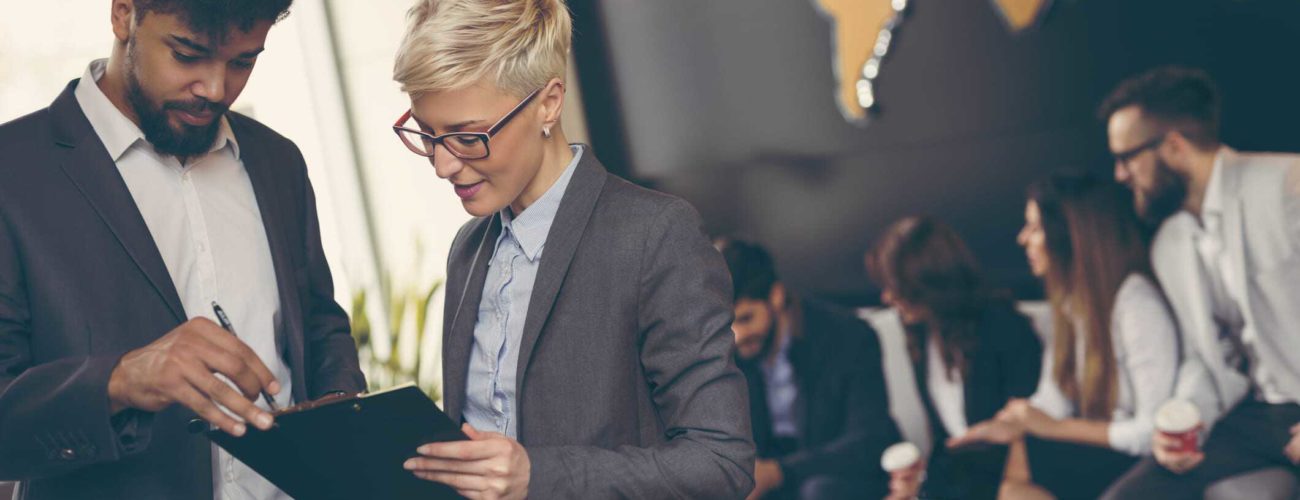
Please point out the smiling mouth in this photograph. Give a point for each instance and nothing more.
(467, 191)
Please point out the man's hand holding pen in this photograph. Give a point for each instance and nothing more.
(181, 367)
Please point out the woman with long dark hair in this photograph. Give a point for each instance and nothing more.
(971, 350)
(1114, 352)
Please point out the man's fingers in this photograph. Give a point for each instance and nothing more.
(218, 360)
(221, 393)
(1165, 442)
(195, 401)
(230, 343)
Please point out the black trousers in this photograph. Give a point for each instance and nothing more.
(973, 472)
(1250, 437)
(1071, 471)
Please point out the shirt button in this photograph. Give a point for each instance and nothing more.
(68, 454)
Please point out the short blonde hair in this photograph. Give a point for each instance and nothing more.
(452, 44)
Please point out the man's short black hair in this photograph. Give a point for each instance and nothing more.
(1176, 97)
(752, 271)
(215, 17)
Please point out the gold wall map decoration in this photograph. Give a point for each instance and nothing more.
(862, 31)
(1021, 14)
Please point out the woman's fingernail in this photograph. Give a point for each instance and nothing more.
(409, 465)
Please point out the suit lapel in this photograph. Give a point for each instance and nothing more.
(1184, 280)
(466, 286)
(90, 168)
(256, 163)
(561, 243)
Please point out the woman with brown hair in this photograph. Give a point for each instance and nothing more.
(1114, 354)
(971, 351)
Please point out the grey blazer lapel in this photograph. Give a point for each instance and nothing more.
(561, 243)
(467, 274)
(90, 168)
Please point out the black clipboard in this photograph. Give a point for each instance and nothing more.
(347, 447)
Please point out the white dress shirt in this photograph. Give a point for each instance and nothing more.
(1144, 336)
(205, 221)
(948, 395)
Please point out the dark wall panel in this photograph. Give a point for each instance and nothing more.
(728, 103)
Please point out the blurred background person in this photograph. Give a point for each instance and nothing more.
(972, 351)
(817, 393)
(1234, 286)
(1113, 355)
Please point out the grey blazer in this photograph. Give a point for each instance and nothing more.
(1261, 224)
(82, 282)
(626, 387)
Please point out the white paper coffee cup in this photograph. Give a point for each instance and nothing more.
(1179, 419)
(900, 456)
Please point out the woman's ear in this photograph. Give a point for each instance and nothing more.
(552, 104)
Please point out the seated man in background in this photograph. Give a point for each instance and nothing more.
(817, 395)
(1234, 287)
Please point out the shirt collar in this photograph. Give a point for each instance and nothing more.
(1212, 205)
(115, 130)
(531, 227)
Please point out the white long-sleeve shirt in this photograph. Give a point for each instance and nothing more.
(1145, 339)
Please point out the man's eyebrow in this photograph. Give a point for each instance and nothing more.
(193, 45)
(252, 53)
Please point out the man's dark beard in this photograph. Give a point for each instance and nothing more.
(769, 340)
(1166, 196)
(187, 142)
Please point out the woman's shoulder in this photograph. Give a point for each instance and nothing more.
(641, 208)
(1140, 302)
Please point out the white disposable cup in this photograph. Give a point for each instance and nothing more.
(1180, 420)
(900, 457)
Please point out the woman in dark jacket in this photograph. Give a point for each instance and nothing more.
(971, 350)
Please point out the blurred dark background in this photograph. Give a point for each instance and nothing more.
(728, 103)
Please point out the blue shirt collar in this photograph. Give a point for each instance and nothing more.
(531, 227)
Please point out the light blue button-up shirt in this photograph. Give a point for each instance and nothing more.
(494, 358)
(782, 390)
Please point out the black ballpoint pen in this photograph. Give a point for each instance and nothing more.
(225, 323)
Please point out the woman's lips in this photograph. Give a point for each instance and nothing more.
(468, 191)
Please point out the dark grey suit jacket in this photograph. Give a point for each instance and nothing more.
(82, 282)
(626, 382)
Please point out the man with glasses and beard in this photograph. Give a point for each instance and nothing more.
(1227, 254)
(817, 396)
(129, 208)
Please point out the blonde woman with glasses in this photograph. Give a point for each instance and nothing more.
(587, 342)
